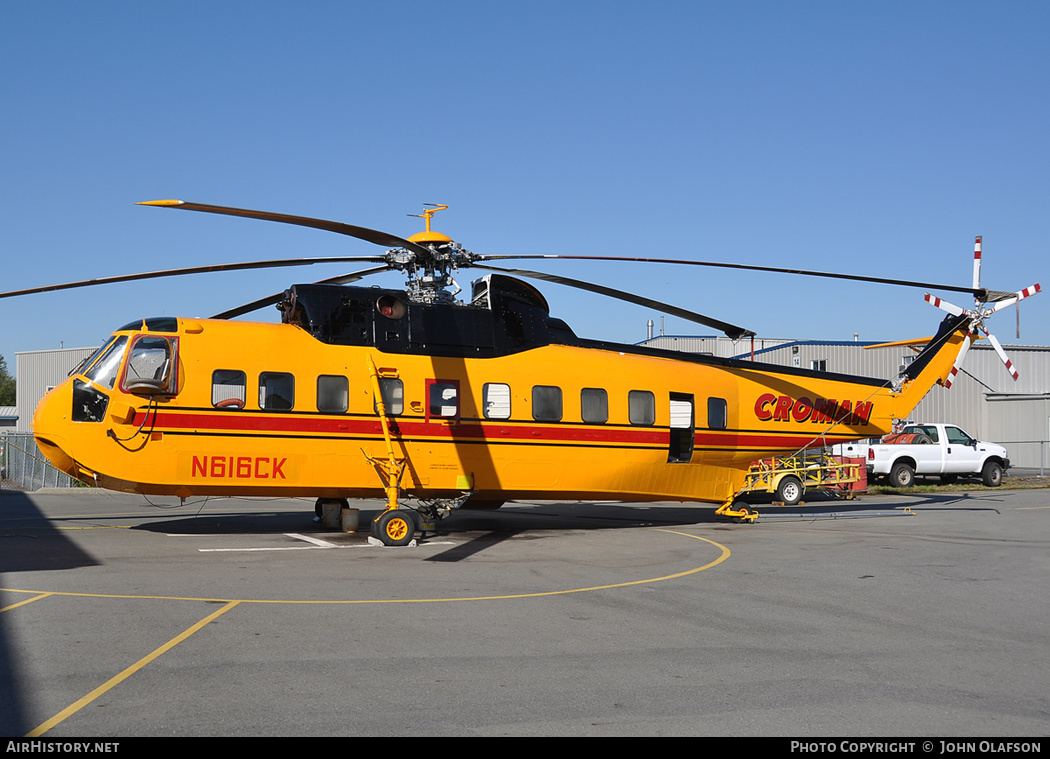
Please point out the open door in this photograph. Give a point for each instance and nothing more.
(683, 429)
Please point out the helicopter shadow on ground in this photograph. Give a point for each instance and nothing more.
(33, 542)
(270, 522)
(12, 716)
(817, 505)
(540, 519)
(29, 542)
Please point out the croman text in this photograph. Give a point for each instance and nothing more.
(784, 408)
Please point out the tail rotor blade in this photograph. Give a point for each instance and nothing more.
(944, 305)
(1002, 354)
(977, 263)
(959, 360)
(1019, 296)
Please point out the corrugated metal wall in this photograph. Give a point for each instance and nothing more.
(1022, 424)
(722, 347)
(36, 372)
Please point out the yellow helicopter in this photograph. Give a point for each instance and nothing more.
(436, 404)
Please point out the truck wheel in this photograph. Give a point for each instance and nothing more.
(790, 490)
(992, 474)
(902, 476)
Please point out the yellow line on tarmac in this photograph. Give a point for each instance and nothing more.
(229, 604)
(363, 601)
(27, 601)
(78, 705)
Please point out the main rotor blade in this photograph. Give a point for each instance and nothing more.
(748, 267)
(269, 300)
(193, 270)
(730, 329)
(362, 233)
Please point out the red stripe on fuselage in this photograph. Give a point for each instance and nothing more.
(205, 422)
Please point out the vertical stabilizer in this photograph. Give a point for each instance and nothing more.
(934, 365)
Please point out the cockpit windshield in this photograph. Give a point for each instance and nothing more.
(103, 371)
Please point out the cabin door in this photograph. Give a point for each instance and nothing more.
(683, 429)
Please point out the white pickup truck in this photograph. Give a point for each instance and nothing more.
(937, 449)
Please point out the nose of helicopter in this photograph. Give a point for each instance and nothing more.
(51, 416)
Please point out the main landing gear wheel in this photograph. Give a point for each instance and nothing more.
(394, 527)
(319, 505)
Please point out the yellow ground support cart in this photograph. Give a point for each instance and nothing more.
(788, 478)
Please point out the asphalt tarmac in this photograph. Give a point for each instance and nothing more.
(906, 616)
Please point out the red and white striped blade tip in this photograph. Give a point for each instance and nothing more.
(944, 305)
(977, 263)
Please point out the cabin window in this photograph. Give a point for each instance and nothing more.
(276, 391)
(333, 394)
(228, 388)
(594, 405)
(641, 407)
(444, 399)
(546, 403)
(393, 392)
(104, 371)
(819, 365)
(151, 366)
(496, 400)
(717, 414)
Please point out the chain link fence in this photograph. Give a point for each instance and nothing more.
(23, 467)
(1029, 454)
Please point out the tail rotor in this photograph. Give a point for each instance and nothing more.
(981, 311)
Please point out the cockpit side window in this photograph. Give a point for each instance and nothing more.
(151, 366)
(103, 372)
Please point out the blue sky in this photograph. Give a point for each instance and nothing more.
(871, 138)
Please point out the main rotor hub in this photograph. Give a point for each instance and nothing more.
(430, 274)
(428, 237)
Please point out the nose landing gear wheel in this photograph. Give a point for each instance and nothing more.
(394, 528)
